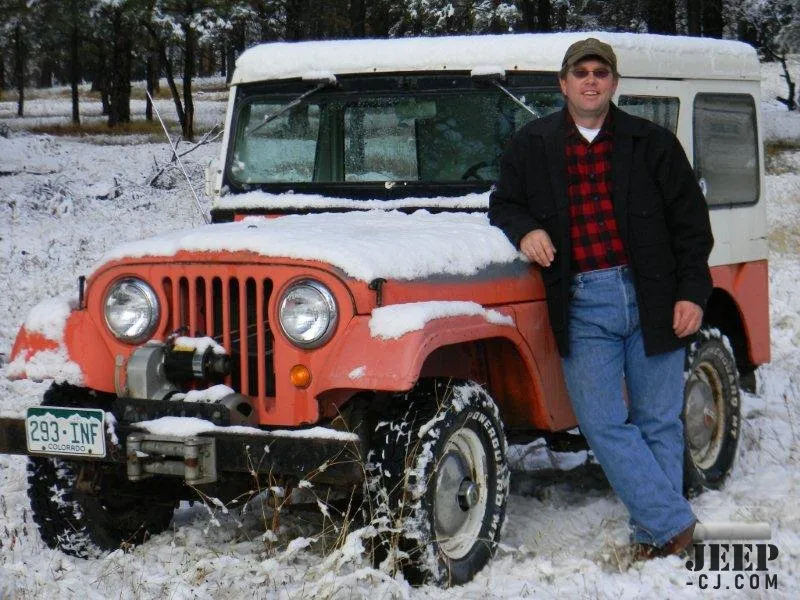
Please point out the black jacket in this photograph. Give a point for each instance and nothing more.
(660, 211)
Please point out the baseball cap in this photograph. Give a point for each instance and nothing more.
(589, 47)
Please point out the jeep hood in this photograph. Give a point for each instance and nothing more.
(363, 244)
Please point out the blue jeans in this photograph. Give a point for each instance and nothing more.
(639, 445)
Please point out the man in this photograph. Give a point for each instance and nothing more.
(607, 205)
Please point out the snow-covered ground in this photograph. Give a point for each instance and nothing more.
(64, 202)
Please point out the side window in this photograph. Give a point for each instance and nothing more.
(726, 148)
(662, 110)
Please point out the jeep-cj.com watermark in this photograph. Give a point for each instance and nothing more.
(740, 565)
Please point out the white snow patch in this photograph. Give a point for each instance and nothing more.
(49, 317)
(287, 201)
(365, 245)
(358, 372)
(316, 433)
(390, 322)
(199, 345)
(46, 364)
(186, 426)
(213, 394)
(638, 55)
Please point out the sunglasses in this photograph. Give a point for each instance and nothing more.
(584, 73)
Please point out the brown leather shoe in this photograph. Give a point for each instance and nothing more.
(644, 552)
(680, 543)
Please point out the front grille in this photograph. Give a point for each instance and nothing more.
(233, 311)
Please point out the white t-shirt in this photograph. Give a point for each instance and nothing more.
(589, 134)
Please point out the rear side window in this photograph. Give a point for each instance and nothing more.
(726, 148)
(662, 110)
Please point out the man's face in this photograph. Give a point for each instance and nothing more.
(588, 88)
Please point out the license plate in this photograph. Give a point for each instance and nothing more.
(66, 431)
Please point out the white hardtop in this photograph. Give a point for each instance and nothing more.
(638, 55)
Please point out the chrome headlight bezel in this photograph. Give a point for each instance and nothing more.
(150, 298)
(327, 300)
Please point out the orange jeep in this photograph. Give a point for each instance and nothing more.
(351, 319)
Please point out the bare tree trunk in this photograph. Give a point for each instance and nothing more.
(358, 18)
(74, 67)
(746, 32)
(295, 11)
(693, 17)
(45, 73)
(161, 49)
(234, 46)
(19, 68)
(660, 16)
(188, 73)
(528, 15)
(230, 61)
(789, 101)
(712, 18)
(544, 16)
(149, 76)
(120, 80)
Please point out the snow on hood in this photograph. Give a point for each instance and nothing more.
(293, 201)
(364, 245)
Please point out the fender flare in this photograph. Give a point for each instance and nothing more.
(363, 362)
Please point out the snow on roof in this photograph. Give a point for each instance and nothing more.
(639, 55)
(365, 245)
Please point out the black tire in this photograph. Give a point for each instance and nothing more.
(437, 483)
(711, 412)
(105, 511)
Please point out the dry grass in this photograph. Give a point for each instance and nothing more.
(152, 128)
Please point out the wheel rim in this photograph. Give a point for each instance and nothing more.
(705, 414)
(460, 496)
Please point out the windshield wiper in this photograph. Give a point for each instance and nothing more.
(515, 99)
(288, 106)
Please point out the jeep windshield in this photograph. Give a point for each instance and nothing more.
(425, 132)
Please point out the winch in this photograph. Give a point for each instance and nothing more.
(156, 370)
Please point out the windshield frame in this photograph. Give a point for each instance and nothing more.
(349, 88)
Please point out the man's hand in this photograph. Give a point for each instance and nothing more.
(687, 318)
(538, 247)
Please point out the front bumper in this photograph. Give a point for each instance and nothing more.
(319, 455)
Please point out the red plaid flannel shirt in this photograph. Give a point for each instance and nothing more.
(596, 243)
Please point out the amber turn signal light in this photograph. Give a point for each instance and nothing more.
(300, 376)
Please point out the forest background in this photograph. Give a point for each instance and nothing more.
(110, 43)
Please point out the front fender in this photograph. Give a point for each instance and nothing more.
(62, 344)
(361, 361)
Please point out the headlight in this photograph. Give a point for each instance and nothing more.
(131, 310)
(307, 313)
